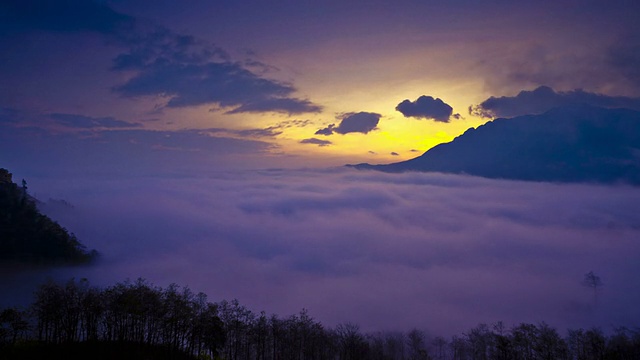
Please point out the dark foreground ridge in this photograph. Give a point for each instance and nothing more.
(570, 144)
(140, 321)
(29, 237)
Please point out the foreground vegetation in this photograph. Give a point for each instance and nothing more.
(136, 320)
(28, 236)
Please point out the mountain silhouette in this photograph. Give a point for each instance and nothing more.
(568, 144)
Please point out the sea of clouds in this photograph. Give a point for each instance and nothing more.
(386, 251)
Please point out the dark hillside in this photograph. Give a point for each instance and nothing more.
(28, 236)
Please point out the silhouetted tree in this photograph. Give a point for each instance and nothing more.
(23, 200)
(523, 339)
(586, 345)
(48, 309)
(592, 281)
(92, 310)
(351, 342)
(439, 346)
(395, 345)
(13, 325)
(459, 348)
(549, 345)
(137, 315)
(502, 343)
(416, 345)
(479, 340)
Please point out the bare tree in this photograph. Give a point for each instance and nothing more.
(479, 342)
(13, 325)
(592, 281)
(351, 342)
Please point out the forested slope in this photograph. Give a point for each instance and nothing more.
(28, 236)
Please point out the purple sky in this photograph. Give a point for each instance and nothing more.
(158, 122)
(270, 78)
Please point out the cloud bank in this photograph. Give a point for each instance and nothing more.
(545, 98)
(426, 107)
(387, 251)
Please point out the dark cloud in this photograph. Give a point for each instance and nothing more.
(65, 15)
(426, 107)
(196, 78)
(87, 122)
(190, 72)
(159, 44)
(326, 131)
(361, 122)
(181, 69)
(315, 141)
(545, 98)
(393, 153)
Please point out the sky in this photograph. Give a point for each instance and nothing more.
(201, 143)
(250, 84)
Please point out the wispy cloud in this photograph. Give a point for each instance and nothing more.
(316, 141)
(269, 132)
(99, 149)
(88, 122)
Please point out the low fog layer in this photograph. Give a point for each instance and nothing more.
(387, 251)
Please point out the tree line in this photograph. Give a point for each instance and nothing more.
(183, 322)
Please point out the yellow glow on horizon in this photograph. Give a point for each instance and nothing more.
(352, 83)
(396, 138)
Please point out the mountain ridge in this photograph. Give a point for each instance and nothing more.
(579, 143)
